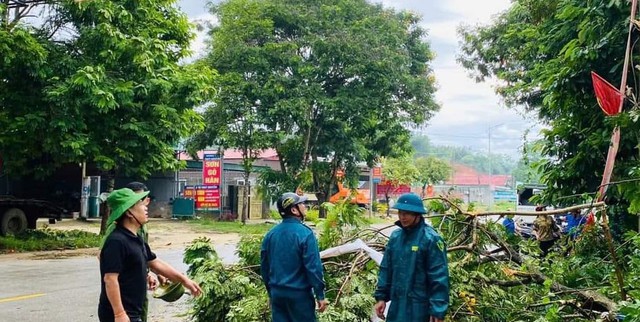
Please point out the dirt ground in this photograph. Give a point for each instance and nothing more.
(163, 234)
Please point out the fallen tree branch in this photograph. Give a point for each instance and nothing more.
(517, 282)
(591, 300)
(595, 205)
(348, 278)
(447, 201)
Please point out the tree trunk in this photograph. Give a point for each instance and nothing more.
(386, 196)
(322, 198)
(245, 198)
(323, 189)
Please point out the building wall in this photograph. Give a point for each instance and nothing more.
(231, 198)
(478, 194)
(256, 204)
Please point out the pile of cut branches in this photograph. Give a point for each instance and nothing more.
(494, 277)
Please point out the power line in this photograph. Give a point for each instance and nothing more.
(479, 137)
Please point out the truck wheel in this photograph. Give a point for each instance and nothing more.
(14, 221)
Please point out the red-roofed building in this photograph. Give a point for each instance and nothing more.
(473, 186)
(233, 155)
(467, 176)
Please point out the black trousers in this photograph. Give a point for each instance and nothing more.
(545, 246)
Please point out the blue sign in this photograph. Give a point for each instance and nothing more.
(505, 195)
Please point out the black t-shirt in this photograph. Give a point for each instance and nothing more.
(128, 255)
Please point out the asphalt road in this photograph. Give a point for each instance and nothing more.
(50, 290)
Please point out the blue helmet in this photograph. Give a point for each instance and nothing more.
(410, 202)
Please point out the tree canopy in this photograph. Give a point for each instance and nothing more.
(432, 170)
(542, 53)
(98, 81)
(330, 84)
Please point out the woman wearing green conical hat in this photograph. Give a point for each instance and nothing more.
(125, 259)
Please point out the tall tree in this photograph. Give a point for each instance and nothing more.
(333, 82)
(30, 61)
(543, 53)
(527, 169)
(110, 91)
(398, 171)
(431, 170)
(232, 121)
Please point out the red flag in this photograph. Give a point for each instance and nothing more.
(591, 219)
(609, 98)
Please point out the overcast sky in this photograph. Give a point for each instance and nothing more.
(469, 109)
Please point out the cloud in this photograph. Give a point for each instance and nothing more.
(199, 45)
(469, 109)
(475, 11)
(442, 31)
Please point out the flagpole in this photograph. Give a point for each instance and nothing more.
(615, 136)
(611, 156)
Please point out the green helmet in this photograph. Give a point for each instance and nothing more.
(288, 200)
(410, 202)
(169, 292)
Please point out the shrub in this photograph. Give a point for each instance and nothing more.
(49, 239)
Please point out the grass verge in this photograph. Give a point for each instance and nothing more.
(230, 226)
(48, 239)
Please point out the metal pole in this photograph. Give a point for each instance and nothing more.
(85, 183)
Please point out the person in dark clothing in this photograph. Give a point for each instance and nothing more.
(414, 273)
(152, 280)
(290, 265)
(125, 259)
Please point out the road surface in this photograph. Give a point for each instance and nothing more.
(67, 289)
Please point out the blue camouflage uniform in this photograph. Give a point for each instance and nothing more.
(575, 225)
(414, 275)
(509, 226)
(292, 271)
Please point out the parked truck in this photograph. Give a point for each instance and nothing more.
(17, 214)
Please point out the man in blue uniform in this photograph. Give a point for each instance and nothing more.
(414, 274)
(290, 265)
